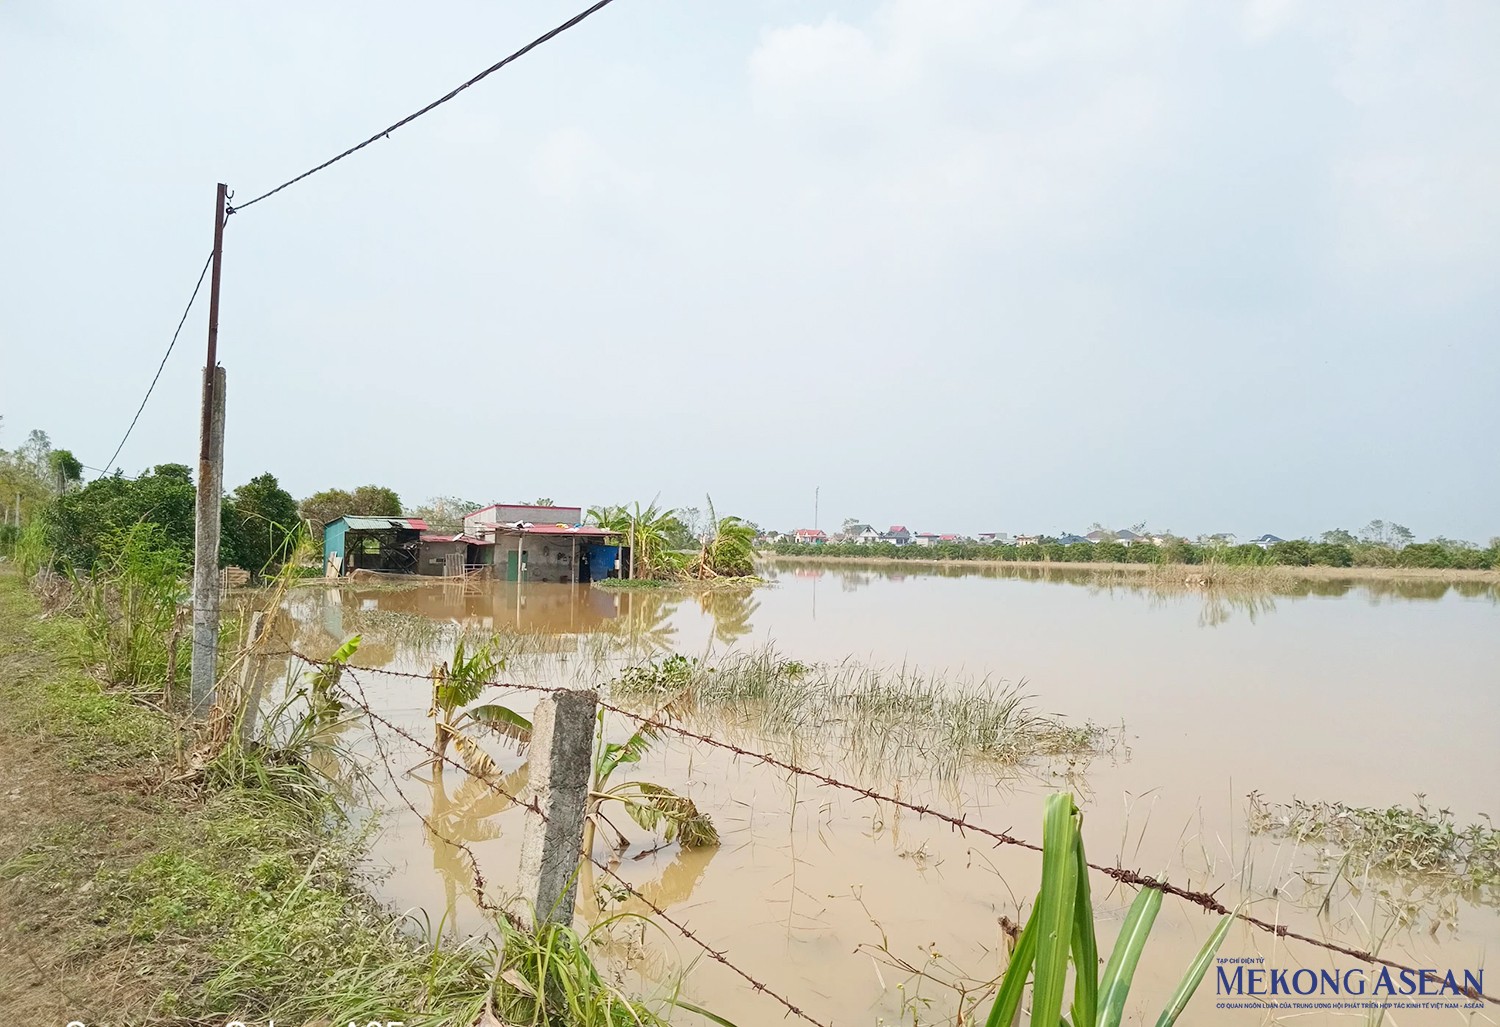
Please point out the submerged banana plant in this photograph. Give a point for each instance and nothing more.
(454, 687)
(654, 807)
(1060, 930)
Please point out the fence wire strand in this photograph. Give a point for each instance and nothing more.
(1205, 900)
(533, 807)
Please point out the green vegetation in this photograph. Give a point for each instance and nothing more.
(179, 903)
(266, 525)
(366, 501)
(203, 871)
(454, 687)
(1060, 933)
(728, 547)
(896, 719)
(1438, 553)
(1399, 840)
(654, 807)
(129, 609)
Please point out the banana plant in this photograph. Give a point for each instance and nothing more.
(1060, 930)
(454, 687)
(654, 807)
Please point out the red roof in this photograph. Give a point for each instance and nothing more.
(415, 523)
(809, 531)
(947, 538)
(897, 527)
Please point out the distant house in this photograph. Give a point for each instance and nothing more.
(771, 538)
(898, 535)
(924, 538)
(863, 534)
(1098, 535)
(1266, 541)
(950, 538)
(810, 536)
(1126, 536)
(1068, 540)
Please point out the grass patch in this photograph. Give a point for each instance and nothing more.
(899, 718)
(1413, 842)
(143, 903)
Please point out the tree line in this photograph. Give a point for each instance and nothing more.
(1337, 548)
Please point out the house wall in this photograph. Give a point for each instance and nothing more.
(431, 558)
(333, 546)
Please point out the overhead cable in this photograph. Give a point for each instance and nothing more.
(385, 132)
(181, 321)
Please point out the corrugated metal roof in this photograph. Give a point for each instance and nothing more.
(385, 523)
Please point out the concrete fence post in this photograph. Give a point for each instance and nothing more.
(561, 760)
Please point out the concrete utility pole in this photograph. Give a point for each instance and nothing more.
(210, 492)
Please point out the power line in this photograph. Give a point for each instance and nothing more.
(385, 132)
(110, 463)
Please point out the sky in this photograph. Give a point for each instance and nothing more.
(963, 266)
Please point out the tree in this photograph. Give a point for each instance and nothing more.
(648, 532)
(446, 513)
(1339, 537)
(66, 469)
(267, 524)
(542, 502)
(849, 524)
(80, 523)
(728, 549)
(365, 501)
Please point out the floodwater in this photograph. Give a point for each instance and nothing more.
(1366, 692)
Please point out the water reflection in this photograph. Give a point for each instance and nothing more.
(1252, 597)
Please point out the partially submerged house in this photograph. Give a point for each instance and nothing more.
(390, 544)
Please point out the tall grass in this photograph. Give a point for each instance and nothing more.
(891, 716)
(1060, 934)
(129, 604)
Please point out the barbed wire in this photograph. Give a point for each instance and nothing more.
(1205, 900)
(534, 807)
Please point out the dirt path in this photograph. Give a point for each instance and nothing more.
(70, 809)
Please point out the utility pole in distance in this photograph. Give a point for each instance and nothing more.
(210, 493)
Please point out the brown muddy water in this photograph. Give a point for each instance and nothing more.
(1365, 692)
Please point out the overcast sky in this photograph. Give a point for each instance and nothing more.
(965, 266)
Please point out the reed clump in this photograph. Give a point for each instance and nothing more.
(873, 713)
(1417, 842)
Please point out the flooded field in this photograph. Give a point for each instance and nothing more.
(1162, 709)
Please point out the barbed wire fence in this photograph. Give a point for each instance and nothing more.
(1208, 901)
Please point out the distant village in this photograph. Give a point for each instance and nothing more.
(899, 535)
(527, 542)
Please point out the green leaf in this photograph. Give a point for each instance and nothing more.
(1085, 946)
(1114, 986)
(1055, 904)
(1194, 975)
(502, 721)
(682, 1003)
(629, 751)
(1008, 999)
(655, 807)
